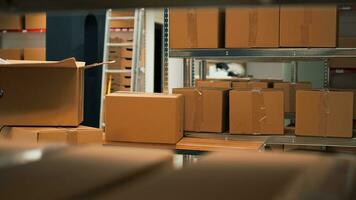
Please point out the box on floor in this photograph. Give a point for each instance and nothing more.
(289, 90)
(324, 113)
(308, 26)
(11, 54)
(148, 118)
(248, 27)
(256, 111)
(67, 135)
(41, 93)
(206, 109)
(195, 28)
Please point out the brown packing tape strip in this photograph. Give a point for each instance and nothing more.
(198, 112)
(253, 19)
(324, 112)
(258, 111)
(305, 27)
(192, 28)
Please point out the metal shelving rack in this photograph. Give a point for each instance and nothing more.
(265, 55)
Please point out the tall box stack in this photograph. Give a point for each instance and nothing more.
(142, 117)
(256, 112)
(324, 113)
(36, 21)
(308, 26)
(195, 28)
(206, 109)
(41, 94)
(289, 90)
(35, 54)
(11, 22)
(249, 27)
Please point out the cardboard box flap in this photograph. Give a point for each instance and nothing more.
(67, 63)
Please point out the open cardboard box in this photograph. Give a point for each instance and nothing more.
(42, 93)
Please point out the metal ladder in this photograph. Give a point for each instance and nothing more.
(136, 47)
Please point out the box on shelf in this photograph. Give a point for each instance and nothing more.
(35, 54)
(211, 83)
(11, 54)
(67, 135)
(324, 113)
(308, 26)
(251, 85)
(35, 21)
(122, 79)
(126, 53)
(248, 27)
(195, 28)
(147, 118)
(289, 90)
(41, 93)
(344, 42)
(206, 109)
(256, 112)
(11, 22)
(122, 23)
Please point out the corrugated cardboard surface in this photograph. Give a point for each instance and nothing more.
(75, 135)
(195, 28)
(256, 112)
(247, 27)
(10, 22)
(289, 90)
(35, 54)
(243, 175)
(41, 94)
(73, 172)
(36, 21)
(250, 85)
(226, 84)
(308, 26)
(324, 113)
(206, 110)
(140, 117)
(11, 54)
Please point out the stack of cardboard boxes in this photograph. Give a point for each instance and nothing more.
(43, 102)
(251, 27)
(29, 22)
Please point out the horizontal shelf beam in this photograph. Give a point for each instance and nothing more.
(263, 54)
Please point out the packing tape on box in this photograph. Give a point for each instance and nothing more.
(198, 112)
(259, 114)
(324, 112)
(307, 17)
(192, 28)
(253, 29)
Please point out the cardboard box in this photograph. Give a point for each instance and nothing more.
(289, 90)
(149, 118)
(126, 52)
(41, 93)
(35, 21)
(121, 79)
(78, 135)
(344, 42)
(250, 85)
(308, 26)
(324, 113)
(248, 27)
(124, 88)
(71, 172)
(206, 109)
(11, 54)
(35, 54)
(195, 28)
(257, 112)
(122, 23)
(11, 22)
(210, 83)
